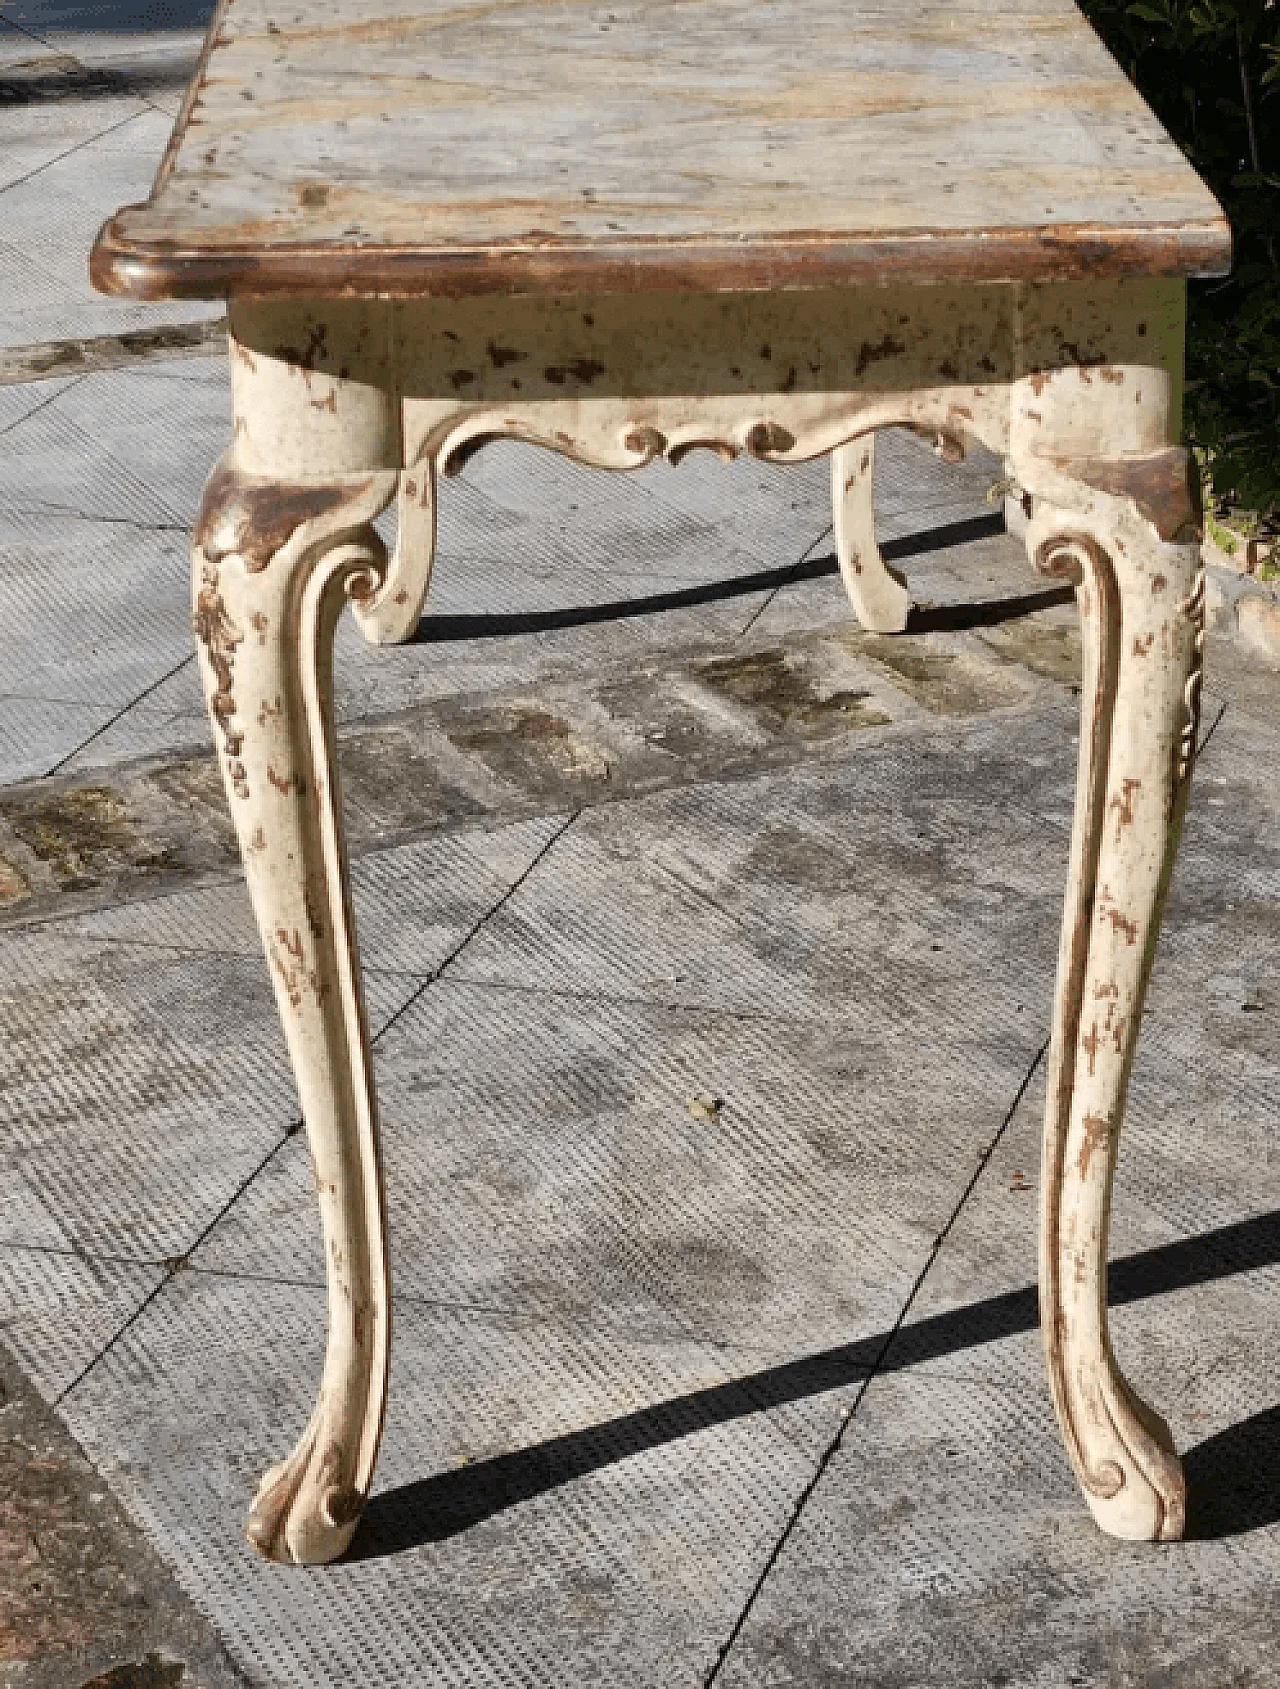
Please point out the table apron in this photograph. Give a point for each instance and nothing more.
(325, 387)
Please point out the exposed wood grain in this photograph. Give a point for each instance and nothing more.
(446, 146)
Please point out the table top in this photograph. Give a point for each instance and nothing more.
(406, 147)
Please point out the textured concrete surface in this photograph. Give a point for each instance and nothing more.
(683, 1395)
(88, 96)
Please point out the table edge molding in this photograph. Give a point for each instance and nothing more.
(138, 266)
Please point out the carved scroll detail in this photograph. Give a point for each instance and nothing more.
(220, 638)
(627, 430)
(632, 447)
(254, 518)
(756, 439)
(388, 609)
(1193, 608)
(1069, 557)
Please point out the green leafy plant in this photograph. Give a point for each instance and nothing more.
(1210, 69)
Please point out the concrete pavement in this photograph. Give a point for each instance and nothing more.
(745, 1397)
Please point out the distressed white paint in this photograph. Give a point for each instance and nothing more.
(879, 594)
(1142, 614)
(340, 406)
(265, 625)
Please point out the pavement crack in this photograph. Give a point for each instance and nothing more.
(1210, 731)
(174, 1264)
(178, 1263)
(479, 926)
(73, 381)
(442, 1304)
(836, 1442)
(77, 1252)
(171, 1268)
(69, 511)
(118, 716)
(803, 558)
(80, 145)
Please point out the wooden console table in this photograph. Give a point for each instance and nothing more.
(623, 231)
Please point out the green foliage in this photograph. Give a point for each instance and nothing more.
(1210, 69)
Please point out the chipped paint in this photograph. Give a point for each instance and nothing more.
(1164, 485)
(220, 639)
(1095, 1135)
(251, 517)
(1122, 803)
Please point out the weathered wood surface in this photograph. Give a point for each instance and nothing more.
(452, 146)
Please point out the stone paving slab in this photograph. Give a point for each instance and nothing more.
(62, 1311)
(989, 1570)
(147, 1021)
(88, 98)
(994, 1530)
(166, 422)
(577, 1181)
(84, 841)
(137, 581)
(640, 1510)
(49, 128)
(414, 905)
(572, 1257)
(183, 1049)
(36, 734)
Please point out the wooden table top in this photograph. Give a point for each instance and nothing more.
(412, 147)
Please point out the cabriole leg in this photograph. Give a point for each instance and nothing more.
(878, 593)
(273, 564)
(1141, 601)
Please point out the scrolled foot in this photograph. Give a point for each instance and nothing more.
(303, 1513)
(1137, 1492)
